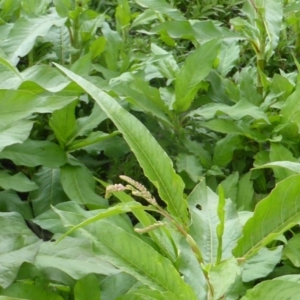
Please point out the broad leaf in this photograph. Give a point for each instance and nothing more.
(14, 133)
(131, 254)
(74, 256)
(152, 158)
(204, 203)
(87, 287)
(50, 190)
(79, 185)
(272, 216)
(275, 290)
(18, 182)
(29, 291)
(261, 264)
(16, 105)
(147, 294)
(22, 36)
(18, 244)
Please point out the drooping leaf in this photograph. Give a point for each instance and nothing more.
(272, 216)
(189, 164)
(154, 161)
(189, 78)
(34, 153)
(292, 251)
(293, 166)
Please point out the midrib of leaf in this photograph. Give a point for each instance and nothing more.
(78, 187)
(157, 174)
(136, 266)
(123, 129)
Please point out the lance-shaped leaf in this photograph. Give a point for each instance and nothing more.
(293, 166)
(132, 255)
(155, 162)
(196, 68)
(18, 182)
(272, 216)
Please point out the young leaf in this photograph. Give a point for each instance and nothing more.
(272, 216)
(196, 68)
(152, 158)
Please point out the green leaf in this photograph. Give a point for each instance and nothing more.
(30, 291)
(93, 138)
(204, 203)
(147, 294)
(63, 123)
(17, 105)
(170, 186)
(262, 264)
(223, 276)
(275, 290)
(18, 244)
(245, 193)
(50, 190)
(15, 133)
(79, 185)
(18, 182)
(189, 164)
(293, 166)
(280, 153)
(221, 225)
(10, 201)
(34, 153)
(188, 80)
(225, 148)
(230, 185)
(162, 7)
(272, 216)
(292, 250)
(74, 256)
(111, 211)
(22, 36)
(131, 255)
(116, 285)
(87, 288)
(229, 54)
(238, 111)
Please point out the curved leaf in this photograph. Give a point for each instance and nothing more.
(155, 162)
(272, 216)
(132, 255)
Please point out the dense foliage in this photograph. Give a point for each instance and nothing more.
(149, 149)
